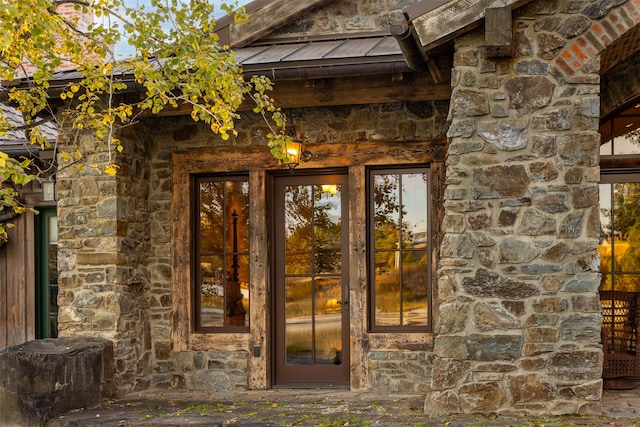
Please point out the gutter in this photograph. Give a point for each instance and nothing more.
(328, 71)
(412, 53)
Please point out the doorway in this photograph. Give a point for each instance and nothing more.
(311, 279)
(47, 274)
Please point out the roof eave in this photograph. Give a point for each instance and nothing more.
(266, 16)
(441, 22)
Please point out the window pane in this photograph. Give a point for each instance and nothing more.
(605, 248)
(237, 291)
(299, 321)
(328, 322)
(386, 199)
(625, 228)
(415, 292)
(211, 217)
(237, 212)
(627, 136)
(222, 290)
(212, 291)
(327, 222)
(400, 204)
(387, 288)
(414, 209)
(298, 217)
(620, 282)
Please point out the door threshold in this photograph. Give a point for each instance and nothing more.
(307, 386)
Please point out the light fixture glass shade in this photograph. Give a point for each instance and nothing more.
(293, 149)
(48, 191)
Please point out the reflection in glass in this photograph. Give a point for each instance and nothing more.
(52, 261)
(328, 318)
(299, 321)
(620, 243)
(621, 135)
(386, 221)
(313, 310)
(298, 218)
(401, 248)
(223, 236)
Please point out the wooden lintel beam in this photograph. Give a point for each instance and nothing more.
(348, 91)
(321, 155)
(498, 32)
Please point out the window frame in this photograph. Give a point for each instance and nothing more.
(371, 250)
(196, 300)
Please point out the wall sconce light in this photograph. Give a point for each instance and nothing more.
(48, 190)
(293, 149)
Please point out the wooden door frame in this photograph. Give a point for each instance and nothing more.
(257, 161)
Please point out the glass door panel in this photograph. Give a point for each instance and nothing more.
(311, 301)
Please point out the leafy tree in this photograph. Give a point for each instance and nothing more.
(177, 60)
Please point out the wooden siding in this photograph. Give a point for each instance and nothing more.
(17, 283)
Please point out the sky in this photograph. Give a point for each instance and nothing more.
(122, 49)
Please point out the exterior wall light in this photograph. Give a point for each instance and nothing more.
(48, 190)
(293, 148)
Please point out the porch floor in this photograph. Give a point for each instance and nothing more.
(307, 407)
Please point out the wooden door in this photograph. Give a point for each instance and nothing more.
(311, 280)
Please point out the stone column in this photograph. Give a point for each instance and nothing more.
(519, 316)
(102, 256)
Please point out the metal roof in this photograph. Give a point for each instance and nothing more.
(306, 58)
(366, 49)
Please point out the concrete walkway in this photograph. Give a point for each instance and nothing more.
(317, 407)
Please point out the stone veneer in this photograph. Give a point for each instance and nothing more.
(400, 371)
(227, 369)
(103, 255)
(519, 319)
(115, 243)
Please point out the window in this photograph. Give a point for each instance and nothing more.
(222, 254)
(621, 133)
(619, 246)
(400, 250)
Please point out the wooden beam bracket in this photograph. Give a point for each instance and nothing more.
(498, 32)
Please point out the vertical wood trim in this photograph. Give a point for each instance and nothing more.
(16, 284)
(30, 277)
(260, 304)
(438, 176)
(181, 207)
(358, 278)
(4, 277)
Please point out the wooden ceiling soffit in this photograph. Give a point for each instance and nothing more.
(456, 17)
(267, 17)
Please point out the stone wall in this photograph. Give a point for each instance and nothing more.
(519, 320)
(400, 371)
(220, 369)
(102, 254)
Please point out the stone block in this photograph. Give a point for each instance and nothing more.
(44, 378)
